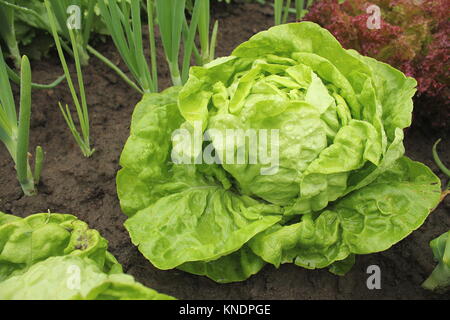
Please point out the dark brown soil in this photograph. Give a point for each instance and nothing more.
(86, 188)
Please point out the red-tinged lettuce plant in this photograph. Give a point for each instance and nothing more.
(412, 37)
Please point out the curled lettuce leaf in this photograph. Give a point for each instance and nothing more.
(342, 186)
(41, 254)
(234, 267)
(368, 220)
(203, 223)
(53, 279)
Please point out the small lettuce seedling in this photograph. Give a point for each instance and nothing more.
(440, 277)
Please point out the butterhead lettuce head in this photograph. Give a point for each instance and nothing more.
(326, 180)
(51, 256)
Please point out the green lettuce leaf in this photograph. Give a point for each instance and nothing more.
(146, 154)
(341, 267)
(73, 278)
(200, 224)
(24, 242)
(238, 266)
(41, 254)
(368, 220)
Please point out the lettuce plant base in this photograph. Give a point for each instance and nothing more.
(73, 184)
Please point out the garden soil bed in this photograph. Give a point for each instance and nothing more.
(86, 188)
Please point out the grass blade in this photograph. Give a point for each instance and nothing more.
(151, 33)
(438, 161)
(278, 9)
(212, 49)
(171, 15)
(8, 32)
(111, 65)
(16, 79)
(88, 22)
(190, 39)
(22, 166)
(81, 108)
(83, 116)
(299, 8)
(203, 30)
(286, 11)
(38, 162)
(6, 97)
(8, 116)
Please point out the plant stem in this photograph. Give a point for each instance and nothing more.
(151, 33)
(8, 32)
(299, 8)
(175, 73)
(286, 11)
(39, 160)
(438, 161)
(212, 49)
(124, 24)
(81, 108)
(16, 79)
(203, 30)
(171, 17)
(189, 32)
(438, 278)
(278, 9)
(15, 52)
